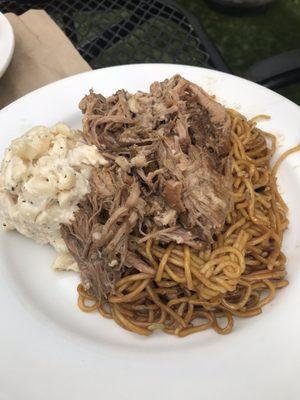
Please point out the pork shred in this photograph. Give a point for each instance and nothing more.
(168, 178)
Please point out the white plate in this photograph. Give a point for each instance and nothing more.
(7, 43)
(51, 350)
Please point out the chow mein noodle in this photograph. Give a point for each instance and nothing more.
(235, 276)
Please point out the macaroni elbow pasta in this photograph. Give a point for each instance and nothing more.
(44, 175)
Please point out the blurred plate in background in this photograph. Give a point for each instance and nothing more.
(243, 3)
(7, 43)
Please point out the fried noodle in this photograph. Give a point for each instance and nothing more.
(236, 275)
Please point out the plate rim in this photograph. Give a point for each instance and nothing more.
(141, 65)
(11, 37)
(129, 364)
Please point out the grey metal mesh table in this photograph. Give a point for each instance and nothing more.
(114, 32)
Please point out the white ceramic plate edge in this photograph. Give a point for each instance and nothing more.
(7, 43)
(51, 367)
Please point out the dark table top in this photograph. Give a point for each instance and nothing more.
(114, 32)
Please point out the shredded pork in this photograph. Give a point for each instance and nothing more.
(168, 178)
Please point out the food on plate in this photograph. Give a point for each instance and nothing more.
(44, 175)
(157, 180)
(182, 229)
(166, 204)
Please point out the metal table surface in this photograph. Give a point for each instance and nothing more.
(115, 32)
